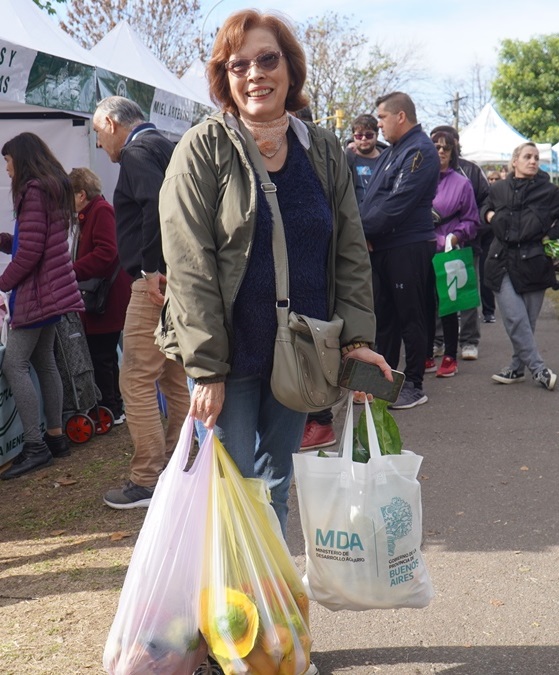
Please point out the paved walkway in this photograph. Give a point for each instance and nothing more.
(491, 518)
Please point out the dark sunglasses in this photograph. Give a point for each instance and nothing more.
(368, 135)
(268, 61)
(444, 148)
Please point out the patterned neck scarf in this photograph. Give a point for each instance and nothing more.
(269, 136)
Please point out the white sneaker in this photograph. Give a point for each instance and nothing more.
(469, 353)
(438, 350)
(313, 670)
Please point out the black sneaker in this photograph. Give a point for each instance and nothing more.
(489, 318)
(410, 397)
(58, 445)
(547, 378)
(508, 376)
(33, 457)
(131, 496)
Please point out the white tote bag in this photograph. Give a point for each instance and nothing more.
(362, 527)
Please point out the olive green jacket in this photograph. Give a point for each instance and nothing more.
(208, 214)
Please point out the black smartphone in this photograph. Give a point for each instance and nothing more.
(360, 376)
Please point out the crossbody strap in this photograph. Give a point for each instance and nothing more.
(279, 246)
(114, 275)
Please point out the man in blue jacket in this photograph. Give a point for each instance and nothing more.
(398, 224)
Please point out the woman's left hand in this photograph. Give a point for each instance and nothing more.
(369, 356)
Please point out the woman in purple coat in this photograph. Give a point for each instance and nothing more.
(96, 256)
(43, 287)
(456, 217)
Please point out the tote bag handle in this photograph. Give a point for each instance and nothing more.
(346, 449)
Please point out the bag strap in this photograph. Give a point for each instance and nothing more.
(346, 448)
(114, 275)
(279, 246)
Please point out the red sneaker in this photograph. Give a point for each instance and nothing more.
(318, 436)
(430, 365)
(448, 367)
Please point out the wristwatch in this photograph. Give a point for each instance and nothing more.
(149, 275)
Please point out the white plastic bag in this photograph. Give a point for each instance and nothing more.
(155, 630)
(362, 527)
(4, 318)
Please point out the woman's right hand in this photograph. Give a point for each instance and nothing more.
(206, 403)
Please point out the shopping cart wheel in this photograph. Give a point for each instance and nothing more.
(103, 419)
(80, 428)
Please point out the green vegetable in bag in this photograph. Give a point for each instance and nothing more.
(360, 454)
(387, 430)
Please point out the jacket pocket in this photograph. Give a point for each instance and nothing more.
(535, 269)
(166, 336)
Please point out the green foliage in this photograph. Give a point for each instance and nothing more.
(389, 438)
(526, 86)
(48, 5)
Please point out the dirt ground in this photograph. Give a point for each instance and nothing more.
(63, 558)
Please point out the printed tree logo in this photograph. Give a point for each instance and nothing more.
(398, 520)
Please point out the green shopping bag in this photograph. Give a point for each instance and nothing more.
(456, 281)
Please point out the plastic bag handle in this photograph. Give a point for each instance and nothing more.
(347, 445)
(179, 458)
(448, 243)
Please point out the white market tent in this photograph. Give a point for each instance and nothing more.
(489, 139)
(173, 104)
(195, 78)
(125, 66)
(47, 86)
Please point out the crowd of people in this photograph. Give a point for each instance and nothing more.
(187, 247)
(362, 221)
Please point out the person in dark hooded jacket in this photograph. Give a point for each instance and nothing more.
(522, 210)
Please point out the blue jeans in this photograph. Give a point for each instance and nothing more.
(260, 435)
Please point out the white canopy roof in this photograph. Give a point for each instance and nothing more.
(122, 51)
(488, 139)
(195, 78)
(24, 24)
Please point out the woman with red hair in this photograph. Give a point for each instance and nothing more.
(216, 226)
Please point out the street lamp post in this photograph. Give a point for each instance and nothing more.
(202, 50)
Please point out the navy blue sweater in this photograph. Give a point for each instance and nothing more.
(396, 208)
(307, 221)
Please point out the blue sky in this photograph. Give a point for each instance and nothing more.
(451, 35)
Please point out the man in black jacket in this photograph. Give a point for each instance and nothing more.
(143, 154)
(398, 224)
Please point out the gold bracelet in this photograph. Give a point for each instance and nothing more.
(354, 345)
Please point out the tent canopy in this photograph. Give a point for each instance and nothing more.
(125, 66)
(489, 139)
(123, 51)
(197, 82)
(24, 24)
(40, 64)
